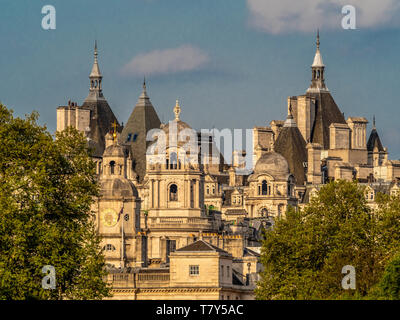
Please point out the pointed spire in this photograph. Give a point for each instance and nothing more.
(318, 58)
(95, 50)
(95, 70)
(177, 110)
(318, 71)
(144, 91)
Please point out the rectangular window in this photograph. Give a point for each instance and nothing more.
(222, 271)
(227, 271)
(194, 270)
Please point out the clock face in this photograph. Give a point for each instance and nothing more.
(109, 217)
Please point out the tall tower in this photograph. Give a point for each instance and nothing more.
(317, 72)
(323, 110)
(118, 207)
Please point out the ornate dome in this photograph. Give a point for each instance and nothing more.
(272, 163)
(115, 150)
(118, 187)
(180, 125)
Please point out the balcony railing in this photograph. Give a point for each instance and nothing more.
(156, 222)
(138, 279)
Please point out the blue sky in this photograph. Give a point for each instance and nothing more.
(231, 63)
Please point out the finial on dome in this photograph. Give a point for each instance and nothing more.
(318, 39)
(177, 110)
(373, 122)
(144, 83)
(115, 130)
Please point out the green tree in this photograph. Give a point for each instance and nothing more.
(388, 219)
(388, 287)
(47, 188)
(304, 254)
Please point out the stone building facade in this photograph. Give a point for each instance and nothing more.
(177, 225)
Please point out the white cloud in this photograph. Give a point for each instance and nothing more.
(280, 16)
(183, 58)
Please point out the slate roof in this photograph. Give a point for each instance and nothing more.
(373, 141)
(102, 118)
(236, 278)
(327, 112)
(142, 119)
(292, 146)
(201, 245)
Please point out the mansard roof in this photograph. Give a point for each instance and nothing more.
(327, 112)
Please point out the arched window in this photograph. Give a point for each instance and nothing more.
(173, 193)
(109, 247)
(290, 189)
(173, 161)
(112, 167)
(264, 188)
(264, 212)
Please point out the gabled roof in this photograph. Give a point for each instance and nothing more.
(292, 146)
(374, 141)
(201, 245)
(142, 119)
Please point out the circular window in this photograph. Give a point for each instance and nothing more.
(126, 217)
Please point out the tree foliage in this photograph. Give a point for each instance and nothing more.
(304, 254)
(47, 188)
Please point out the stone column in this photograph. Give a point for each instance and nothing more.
(156, 194)
(196, 195)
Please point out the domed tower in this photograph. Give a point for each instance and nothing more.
(175, 180)
(118, 208)
(271, 187)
